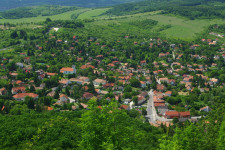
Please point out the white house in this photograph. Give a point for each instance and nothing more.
(69, 70)
(63, 98)
(97, 82)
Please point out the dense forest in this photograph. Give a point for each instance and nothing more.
(81, 129)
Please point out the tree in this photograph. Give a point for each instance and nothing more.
(23, 34)
(128, 88)
(32, 89)
(135, 100)
(135, 82)
(91, 88)
(14, 35)
(104, 130)
(221, 138)
(18, 109)
(30, 102)
(56, 96)
(48, 20)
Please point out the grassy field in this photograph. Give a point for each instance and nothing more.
(63, 16)
(181, 28)
(94, 13)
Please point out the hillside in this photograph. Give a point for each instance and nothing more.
(138, 76)
(9, 4)
(27, 12)
(168, 26)
(191, 9)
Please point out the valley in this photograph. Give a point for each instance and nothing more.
(81, 75)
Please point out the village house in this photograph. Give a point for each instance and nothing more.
(87, 95)
(143, 62)
(161, 106)
(176, 114)
(63, 99)
(206, 109)
(143, 84)
(141, 100)
(98, 82)
(20, 65)
(108, 85)
(87, 66)
(16, 90)
(76, 80)
(160, 87)
(3, 91)
(214, 80)
(51, 94)
(21, 96)
(51, 74)
(27, 60)
(168, 93)
(64, 82)
(126, 107)
(68, 70)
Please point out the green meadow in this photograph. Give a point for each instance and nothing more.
(180, 28)
(63, 16)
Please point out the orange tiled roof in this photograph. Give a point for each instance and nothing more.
(66, 69)
(22, 95)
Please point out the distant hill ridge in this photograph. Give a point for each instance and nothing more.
(9, 4)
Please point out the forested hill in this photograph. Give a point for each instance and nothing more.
(187, 8)
(9, 4)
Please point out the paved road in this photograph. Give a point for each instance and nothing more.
(172, 67)
(173, 55)
(151, 111)
(157, 80)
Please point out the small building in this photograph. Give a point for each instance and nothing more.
(172, 114)
(126, 107)
(206, 109)
(16, 90)
(63, 98)
(97, 82)
(87, 95)
(21, 96)
(168, 93)
(176, 114)
(143, 84)
(141, 100)
(3, 91)
(68, 70)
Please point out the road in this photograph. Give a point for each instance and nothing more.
(157, 80)
(151, 111)
(173, 55)
(172, 67)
